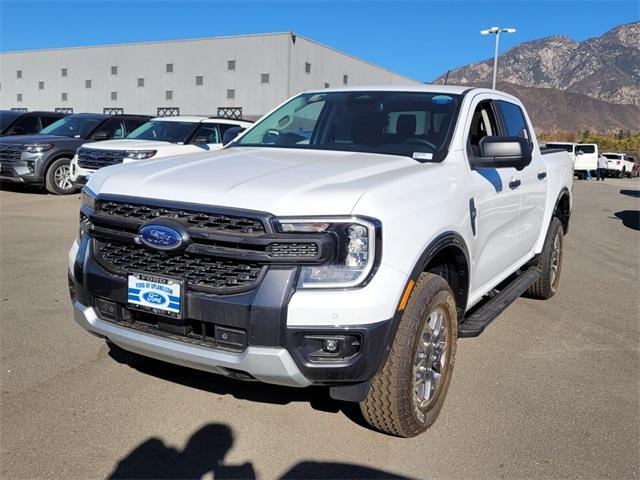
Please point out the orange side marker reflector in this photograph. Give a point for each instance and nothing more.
(407, 294)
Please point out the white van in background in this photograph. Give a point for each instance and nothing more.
(584, 155)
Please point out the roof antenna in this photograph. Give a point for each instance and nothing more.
(446, 79)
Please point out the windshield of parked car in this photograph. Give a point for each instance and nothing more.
(7, 118)
(164, 130)
(413, 124)
(73, 126)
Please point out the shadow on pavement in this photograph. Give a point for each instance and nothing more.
(205, 453)
(317, 397)
(21, 188)
(631, 193)
(630, 218)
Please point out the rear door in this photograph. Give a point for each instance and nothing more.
(495, 203)
(533, 179)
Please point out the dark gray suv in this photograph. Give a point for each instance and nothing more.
(25, 123)
(44, 158)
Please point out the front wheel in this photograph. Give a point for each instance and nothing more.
(58, 177)
(408, 392)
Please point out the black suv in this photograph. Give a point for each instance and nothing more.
(25, 123)
(44, 158)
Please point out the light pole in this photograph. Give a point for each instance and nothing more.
(497, 31)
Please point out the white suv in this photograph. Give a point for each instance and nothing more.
(618, 164)
(159, 137)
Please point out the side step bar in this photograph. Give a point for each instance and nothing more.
(474, 325)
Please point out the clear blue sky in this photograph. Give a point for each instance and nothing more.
(420, 39)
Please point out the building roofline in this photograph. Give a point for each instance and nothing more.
(150, 42)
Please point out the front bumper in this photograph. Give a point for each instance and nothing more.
(19, 172)
(276, 351)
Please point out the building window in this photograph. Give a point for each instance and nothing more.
(64, 96)
(326, 85)
(63, 72)
(41, 85)
(169, 67)
(87, 84)
(114, 69)
(231, 94)
(231, 64)
(345, 79)
(18, 73)
(19, 97)
(199, 80)
(114, 95)
(264, 78)
(307, 67)
(141, 82)
(168, 95)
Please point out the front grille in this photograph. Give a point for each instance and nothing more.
(202, 273)
(191, 219)
(93, 158)
(287, 250)
(11, 152)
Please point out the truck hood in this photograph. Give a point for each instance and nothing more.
(280, 181)
(126, 144)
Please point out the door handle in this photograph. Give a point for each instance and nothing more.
(514, 183)
(542, 175)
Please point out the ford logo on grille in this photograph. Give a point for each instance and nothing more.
(160, 237)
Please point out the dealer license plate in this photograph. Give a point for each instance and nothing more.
(159, 295)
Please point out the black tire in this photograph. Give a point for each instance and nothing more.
(391, 405)
(547, 285)
(57, 178)
(121, 355)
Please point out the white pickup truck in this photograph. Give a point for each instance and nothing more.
(159, 137)
(584, 156)
(619, 164)
(347, 239)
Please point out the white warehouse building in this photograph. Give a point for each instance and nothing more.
(251, 72)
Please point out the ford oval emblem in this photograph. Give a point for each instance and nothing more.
(160, 237)
(155, 298)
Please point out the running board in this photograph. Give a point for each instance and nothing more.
(475, 324)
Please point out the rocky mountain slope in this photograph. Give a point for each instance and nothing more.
(606, 67)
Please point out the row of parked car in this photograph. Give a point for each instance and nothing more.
(61, 152)
(585, 158)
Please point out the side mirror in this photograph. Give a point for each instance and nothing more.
(503, 152)
(16, 131)
(231, 134)
(101, 135)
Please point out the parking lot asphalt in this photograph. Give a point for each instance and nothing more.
(550, 390)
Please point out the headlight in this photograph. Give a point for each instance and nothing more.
(356, 256)
(37, 147)
(88, 198)
(140, 154)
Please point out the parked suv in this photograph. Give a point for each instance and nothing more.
(347, 239)
(619, 164)
(159, 137)
(25, 123)
(44, 158)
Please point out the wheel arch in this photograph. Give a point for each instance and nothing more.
(57, 156)
(562, 209)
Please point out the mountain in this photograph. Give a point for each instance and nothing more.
(606, 67)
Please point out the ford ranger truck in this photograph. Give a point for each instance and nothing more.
(347, 239)
(157, 138)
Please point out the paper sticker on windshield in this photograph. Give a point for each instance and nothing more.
(442, 100)
(422, 156)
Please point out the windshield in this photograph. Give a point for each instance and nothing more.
(564, 146)
(72, 126)
(412, 124)
(7, 118)
(166, 131)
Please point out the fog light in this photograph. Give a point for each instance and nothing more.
(31, 166)
(330, 346)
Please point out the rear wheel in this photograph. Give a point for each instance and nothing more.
(549, 263)
(58, 177)
(408, 392)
